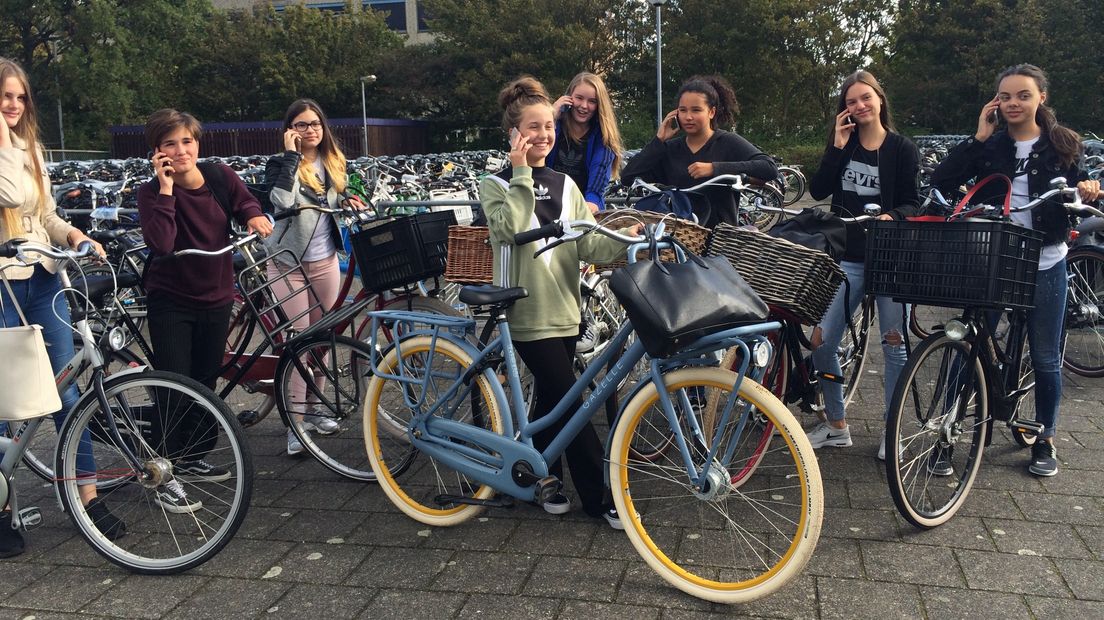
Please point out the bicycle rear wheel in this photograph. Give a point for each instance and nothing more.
(387, 424)
(324, 418)
(161, 417)
(852, 349)
(720, 540)
(1084, 347)
(938, 419)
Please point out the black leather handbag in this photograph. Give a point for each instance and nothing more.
(671, 305)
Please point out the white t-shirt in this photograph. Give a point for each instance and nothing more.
(1021, 195)
(321, 244)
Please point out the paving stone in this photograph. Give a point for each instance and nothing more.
(369, 498)
(479, 534)
(956, 604)
(553, 537)
(68, 589)
(682, 614)
(230, 598)
(405, 604)
(613, 545)
(245, 558)
(72, 551)
(575, 578)
(1085, 578)
(961, 532)
(864, 524)
(643, 586)
(580, 610)
(1093, 537)
(19, 576)
(493, 606)
(262, 521)
(853, 600)
(479, 571)
(267, 492)
(1065, 608)
(797, 599)
(1005, 572)
(836, 557)
(391, 529)
(317, 525)
(1053, 540)
(41, 541)
(145, 596)
(319, 493)
(870, 496)
(322, 563)
(1075, 482)
(1052, 508)
(320, 601)
(990, 503)
(392, 567)
(904, 563)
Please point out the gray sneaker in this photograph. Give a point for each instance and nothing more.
(826, 435)
(323, 425)
(294, 446)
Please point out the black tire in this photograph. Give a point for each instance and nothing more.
(939, 408)
(1084, 328)
(339, 368)
(793, 185)
(750, 201)
(39, 455)
(145, 405)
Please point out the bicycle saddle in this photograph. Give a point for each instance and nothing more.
(486, 295)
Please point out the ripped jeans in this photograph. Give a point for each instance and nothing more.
(891, 320)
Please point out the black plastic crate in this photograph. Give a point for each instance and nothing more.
(953, 264)
(394, 252)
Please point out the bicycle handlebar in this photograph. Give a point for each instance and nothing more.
(17, 248)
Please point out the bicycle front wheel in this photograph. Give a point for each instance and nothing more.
(852, 349)
(938, 421)
(320, 396)
(1084, 347)
(422, 492)
(162, 418)
(720, 539)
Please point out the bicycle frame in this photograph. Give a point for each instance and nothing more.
(495, 458)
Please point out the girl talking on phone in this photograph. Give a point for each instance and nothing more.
(189, 205)
(310, 172)
(545, 325)
(588, 145)
(1018, 136)
(703, 151)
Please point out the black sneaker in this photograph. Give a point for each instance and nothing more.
(939, 461)
(172, 498)
(613, 519)
(200, 471)
(1044, 459)
(110, 526)
(558, 504)
(11, 541)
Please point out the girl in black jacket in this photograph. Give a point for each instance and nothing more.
(865, 162)
(1031, 149)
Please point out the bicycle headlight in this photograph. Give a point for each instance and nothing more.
(760, 354)
(117, 338)
(956, 329)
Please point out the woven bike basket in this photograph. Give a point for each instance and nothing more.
(799, 279)
(691, 235)
(469, 255)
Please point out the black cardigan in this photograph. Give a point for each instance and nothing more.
(898, 167)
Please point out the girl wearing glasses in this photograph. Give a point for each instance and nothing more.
(310, 172)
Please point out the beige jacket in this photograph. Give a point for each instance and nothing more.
(17, 191)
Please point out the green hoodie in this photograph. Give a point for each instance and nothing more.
(552, 308)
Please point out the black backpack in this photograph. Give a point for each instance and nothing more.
(816, 229)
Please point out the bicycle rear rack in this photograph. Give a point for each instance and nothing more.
(256, 283)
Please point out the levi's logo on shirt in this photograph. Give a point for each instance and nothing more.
(540, 192)
(861, 178)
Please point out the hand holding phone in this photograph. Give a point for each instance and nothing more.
(992, 118)
(514, 133)
(849, 120)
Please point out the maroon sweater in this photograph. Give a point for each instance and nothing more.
(192, 219)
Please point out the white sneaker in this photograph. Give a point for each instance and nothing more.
(590, 337)
(825, 435)
(294, 446)
(323, 425)
(172, 498)
(882, 452)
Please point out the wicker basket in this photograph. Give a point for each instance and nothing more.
(691, 235)
(793, 277)
(470, 260)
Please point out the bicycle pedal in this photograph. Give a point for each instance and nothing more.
(1030, 427)
(830, 377)
(546, 488)
(30, 517)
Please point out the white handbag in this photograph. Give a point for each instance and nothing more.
(26, 377)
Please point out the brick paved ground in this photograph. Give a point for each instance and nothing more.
(314, 544)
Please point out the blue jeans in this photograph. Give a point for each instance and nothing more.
(39, 299)
(891, 318)
(1044, 336)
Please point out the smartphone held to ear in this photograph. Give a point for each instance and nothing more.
(992, 117)
(514, 133)
(849, 120)
(674, 123)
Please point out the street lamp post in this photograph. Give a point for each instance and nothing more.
(364, 81)
(658, 4)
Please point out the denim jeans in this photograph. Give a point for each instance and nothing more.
(39, 299)
(891, 318)
(1044, 336)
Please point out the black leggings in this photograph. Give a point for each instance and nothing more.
(189, 342)
(551, 362)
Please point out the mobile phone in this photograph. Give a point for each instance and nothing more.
(674, 122)
(514, 133)
(565, 108)
(298, 140)
(992, 117)
(849, 120)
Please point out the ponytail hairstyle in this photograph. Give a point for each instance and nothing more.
(518, 95)
(27, 130)
(1066, 141)
(718, 95)
(607, 122)
(861, 77)
(329, 150)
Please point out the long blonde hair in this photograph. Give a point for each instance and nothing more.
(607, 122)
(329, 149)
(27, 129)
